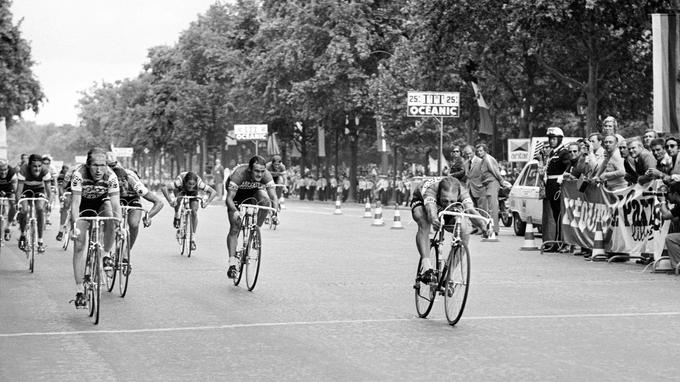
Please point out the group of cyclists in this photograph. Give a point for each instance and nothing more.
(101, 186)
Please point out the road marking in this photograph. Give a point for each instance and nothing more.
(329, 322)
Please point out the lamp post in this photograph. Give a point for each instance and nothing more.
(582, 111)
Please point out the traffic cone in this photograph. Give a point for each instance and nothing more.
(378, 218)
(367, 210)
(492, 236)
(529, 242)
(598, 246)
(396, 224)
(281, 202)
(338, 210)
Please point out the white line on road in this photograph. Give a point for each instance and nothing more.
(329, 322)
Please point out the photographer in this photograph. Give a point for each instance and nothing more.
(672, 239)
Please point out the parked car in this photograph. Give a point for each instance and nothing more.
(523, 199)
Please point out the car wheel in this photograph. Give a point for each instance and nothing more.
(518, 225)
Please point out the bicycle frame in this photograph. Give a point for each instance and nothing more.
(32, 227)
(185, 230)
(250, 239)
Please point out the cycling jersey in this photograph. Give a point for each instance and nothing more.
(32, 182)
(277, 171)
(427, 192)
(68, 177)
(131, 187)
(7, 182)
(94, 192)
(184, 191)
(242, 179)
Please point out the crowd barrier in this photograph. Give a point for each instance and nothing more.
(630, 217)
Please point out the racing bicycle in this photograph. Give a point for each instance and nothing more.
(249, 244)
(31, 245)
(92, 280)
(452, 273)
(122, 267)
(185, 232)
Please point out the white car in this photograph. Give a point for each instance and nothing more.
(523, 200)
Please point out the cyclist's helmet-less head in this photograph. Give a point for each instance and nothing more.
(111, 159)
(35, 164)
(190, 181)
(256, 165)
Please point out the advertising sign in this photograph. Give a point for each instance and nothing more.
(433, 104)
(518, 150)
(250, 132)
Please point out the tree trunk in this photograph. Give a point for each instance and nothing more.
(354, 150)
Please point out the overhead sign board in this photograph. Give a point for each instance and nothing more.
(433, 104)
(519, 150)
(250, 132)
(80, 159)
(123, 152)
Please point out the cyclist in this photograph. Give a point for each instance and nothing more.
(278, 171)
(131, 188)
(8, 188)
(429, 198)
(47, 163)
(33, 180)
(247, 181)
(63, 186)
(188, 184)
(95, 193)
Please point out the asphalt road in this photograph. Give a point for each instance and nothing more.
(334, 302)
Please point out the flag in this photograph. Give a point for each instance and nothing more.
(665, 61)
(273, 145)
(321, 141)
(485, 126)
(381, 142)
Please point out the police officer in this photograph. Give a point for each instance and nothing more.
(558, 161)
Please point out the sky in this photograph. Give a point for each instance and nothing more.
(77, 43)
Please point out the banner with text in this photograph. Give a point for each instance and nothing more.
(630, 217)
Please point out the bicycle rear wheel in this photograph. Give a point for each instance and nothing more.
(424, 292)
(457, 284)
(124, 266)
(32, 239)
(253, 255)
(2, 229)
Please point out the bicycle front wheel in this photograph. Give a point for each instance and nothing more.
(457, 284)
(124, 266)
(190, 232)
(253, 255)
(241, 250)
(110, 278)
(33, 239)
(424, 292)
(95, 294)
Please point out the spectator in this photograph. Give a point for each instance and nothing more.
(475, 181)
(672, 151)
(302, 187)
(647, 139)
(672, 239)
(642, 160)
(321, 184)
(457, 165)
(597, 152)
(362, 190)
(370, 186)
(381, 187)
(218, 172)
(345, 187)
(628, 162)
(609, 126)
(581, 169)
(663, 161)
(612, 171)
(491, 183)
(311, 187)
(333, 193)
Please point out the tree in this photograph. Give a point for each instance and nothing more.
(19, 89)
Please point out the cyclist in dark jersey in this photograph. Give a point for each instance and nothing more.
(131, 191)
(8, 189)
(245, 182)
(188, 184)
(278, 171)
(429, 198)
(95, 193)
(33, 181)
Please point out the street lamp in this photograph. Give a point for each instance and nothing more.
(582, 111)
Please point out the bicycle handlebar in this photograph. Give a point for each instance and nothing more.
(256, 207)
(463, 214)
(21, 200)
(97, 219)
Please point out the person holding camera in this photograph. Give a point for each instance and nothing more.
(612, 172)
(672, 239)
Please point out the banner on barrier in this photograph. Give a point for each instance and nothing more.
(630, 217)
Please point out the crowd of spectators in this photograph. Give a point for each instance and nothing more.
(612, 160)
